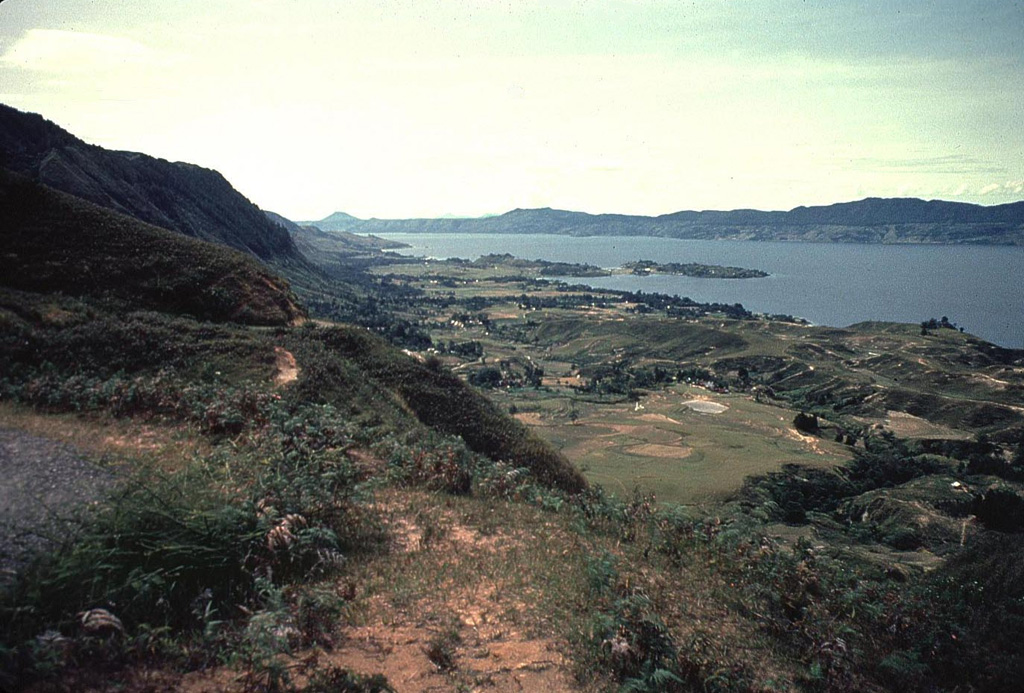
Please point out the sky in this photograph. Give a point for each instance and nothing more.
(425, 108)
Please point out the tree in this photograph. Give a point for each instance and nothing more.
(486, 377)
(806, 423)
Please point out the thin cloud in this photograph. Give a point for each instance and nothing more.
(950, 163)
(1010, 187)
(52, 50)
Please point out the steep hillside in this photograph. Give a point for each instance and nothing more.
(324, 247)
(871, 220)
(53, 242)
(178, 196)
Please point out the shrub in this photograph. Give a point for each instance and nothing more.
(442, 648)
(180, 550)
(806, 423)
(630, 640)
(1001, 509)
(336, 680)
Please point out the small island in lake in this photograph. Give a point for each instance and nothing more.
(692, 269)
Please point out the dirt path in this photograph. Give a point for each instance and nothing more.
(447, 610)
(287, 369)
(45, 484)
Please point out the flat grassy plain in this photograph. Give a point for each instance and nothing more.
(671, 450)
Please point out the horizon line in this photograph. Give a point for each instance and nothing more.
(455, 217)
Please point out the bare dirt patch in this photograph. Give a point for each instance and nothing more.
(453, 584)
(287, 368)
(703, 406)
(661, 451)
(812, 443)
(661, 418)
(106, 438)
(458, 572)
(480, 663)
(530, 418)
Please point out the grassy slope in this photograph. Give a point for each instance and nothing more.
(201, 523)
(943, 385)
(946, 377)
(444, 402)
(57, 243)
(709, 603)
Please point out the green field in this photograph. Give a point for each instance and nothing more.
(667, 448)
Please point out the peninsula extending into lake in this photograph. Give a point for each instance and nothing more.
(547, 268)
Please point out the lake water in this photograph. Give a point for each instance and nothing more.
(978, 287)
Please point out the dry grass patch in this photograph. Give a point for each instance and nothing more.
(907, 425)
(475, 593)
(110, 440)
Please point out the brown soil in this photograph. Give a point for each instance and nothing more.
(287, 369)
(661, 451)
(530, 418)
(489, 663)
(495, 648)
(660, 417)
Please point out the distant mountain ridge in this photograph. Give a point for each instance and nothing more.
(872, 220)
(181, 197)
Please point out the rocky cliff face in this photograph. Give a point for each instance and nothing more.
(181, 197)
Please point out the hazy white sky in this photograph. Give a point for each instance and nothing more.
(424, 108)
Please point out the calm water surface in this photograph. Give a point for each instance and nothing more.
(978, 287)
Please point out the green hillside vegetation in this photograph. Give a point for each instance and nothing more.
(534, 268)
(274, 453)
(199, 203)
(692, 269)
(58, 243)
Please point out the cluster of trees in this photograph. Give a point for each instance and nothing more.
(942, 323)
(619, 378)
(375, 315)
(508, 374)
(470, 350)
